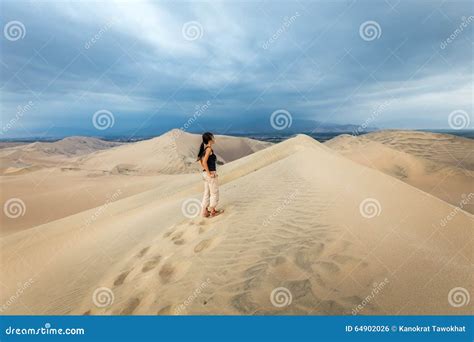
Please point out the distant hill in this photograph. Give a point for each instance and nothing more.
(67, 147)
(170, 153)
(21, 158)
(296, 126)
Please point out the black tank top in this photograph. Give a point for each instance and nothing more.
(211, 161)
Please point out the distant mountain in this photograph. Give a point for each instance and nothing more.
(284, 127)
(238, 126)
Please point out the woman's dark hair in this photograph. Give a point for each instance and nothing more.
(206, 137)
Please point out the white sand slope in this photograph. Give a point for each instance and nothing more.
(57, 179)
(441, 168)
(440, 148)
(300, 220)
(6, 144)
(67, 147)
(26, 158)
(52, 193)
(170, 153)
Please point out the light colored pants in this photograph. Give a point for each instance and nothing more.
(211, 191)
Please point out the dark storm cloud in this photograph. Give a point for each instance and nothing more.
(137, 60)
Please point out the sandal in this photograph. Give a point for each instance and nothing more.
(215, 213)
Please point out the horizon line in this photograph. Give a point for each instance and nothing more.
(276, 134)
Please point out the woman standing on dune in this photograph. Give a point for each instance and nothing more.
(208, 159)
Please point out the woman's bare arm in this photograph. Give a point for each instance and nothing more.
(204, 161)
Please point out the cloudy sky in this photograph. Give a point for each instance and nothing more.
(146, 67)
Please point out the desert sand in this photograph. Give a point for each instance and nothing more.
(59, 179)
(172, 153)
(439, 164)
(23, 158)
(308, 228)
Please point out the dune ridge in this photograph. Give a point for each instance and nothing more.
(441, 167)
(70, 180)
(171, 153)
(24, 158)
(440, 148)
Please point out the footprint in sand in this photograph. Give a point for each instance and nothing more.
(202, 245)
(143, 252)
(151, 264)
(177, 236)
(166, 272)
(179, 242)
(306, 257)
(165, 311)
(330, 267)
(121, 278)
(168, 233)
(132, 304)
(244, 303)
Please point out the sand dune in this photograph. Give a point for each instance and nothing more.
(440, 148)
(24, 158)
(301, 221)
(53, 193)
(170, 153)
(64, 184)
(67, 147)
(6, 144)
(436, 168)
